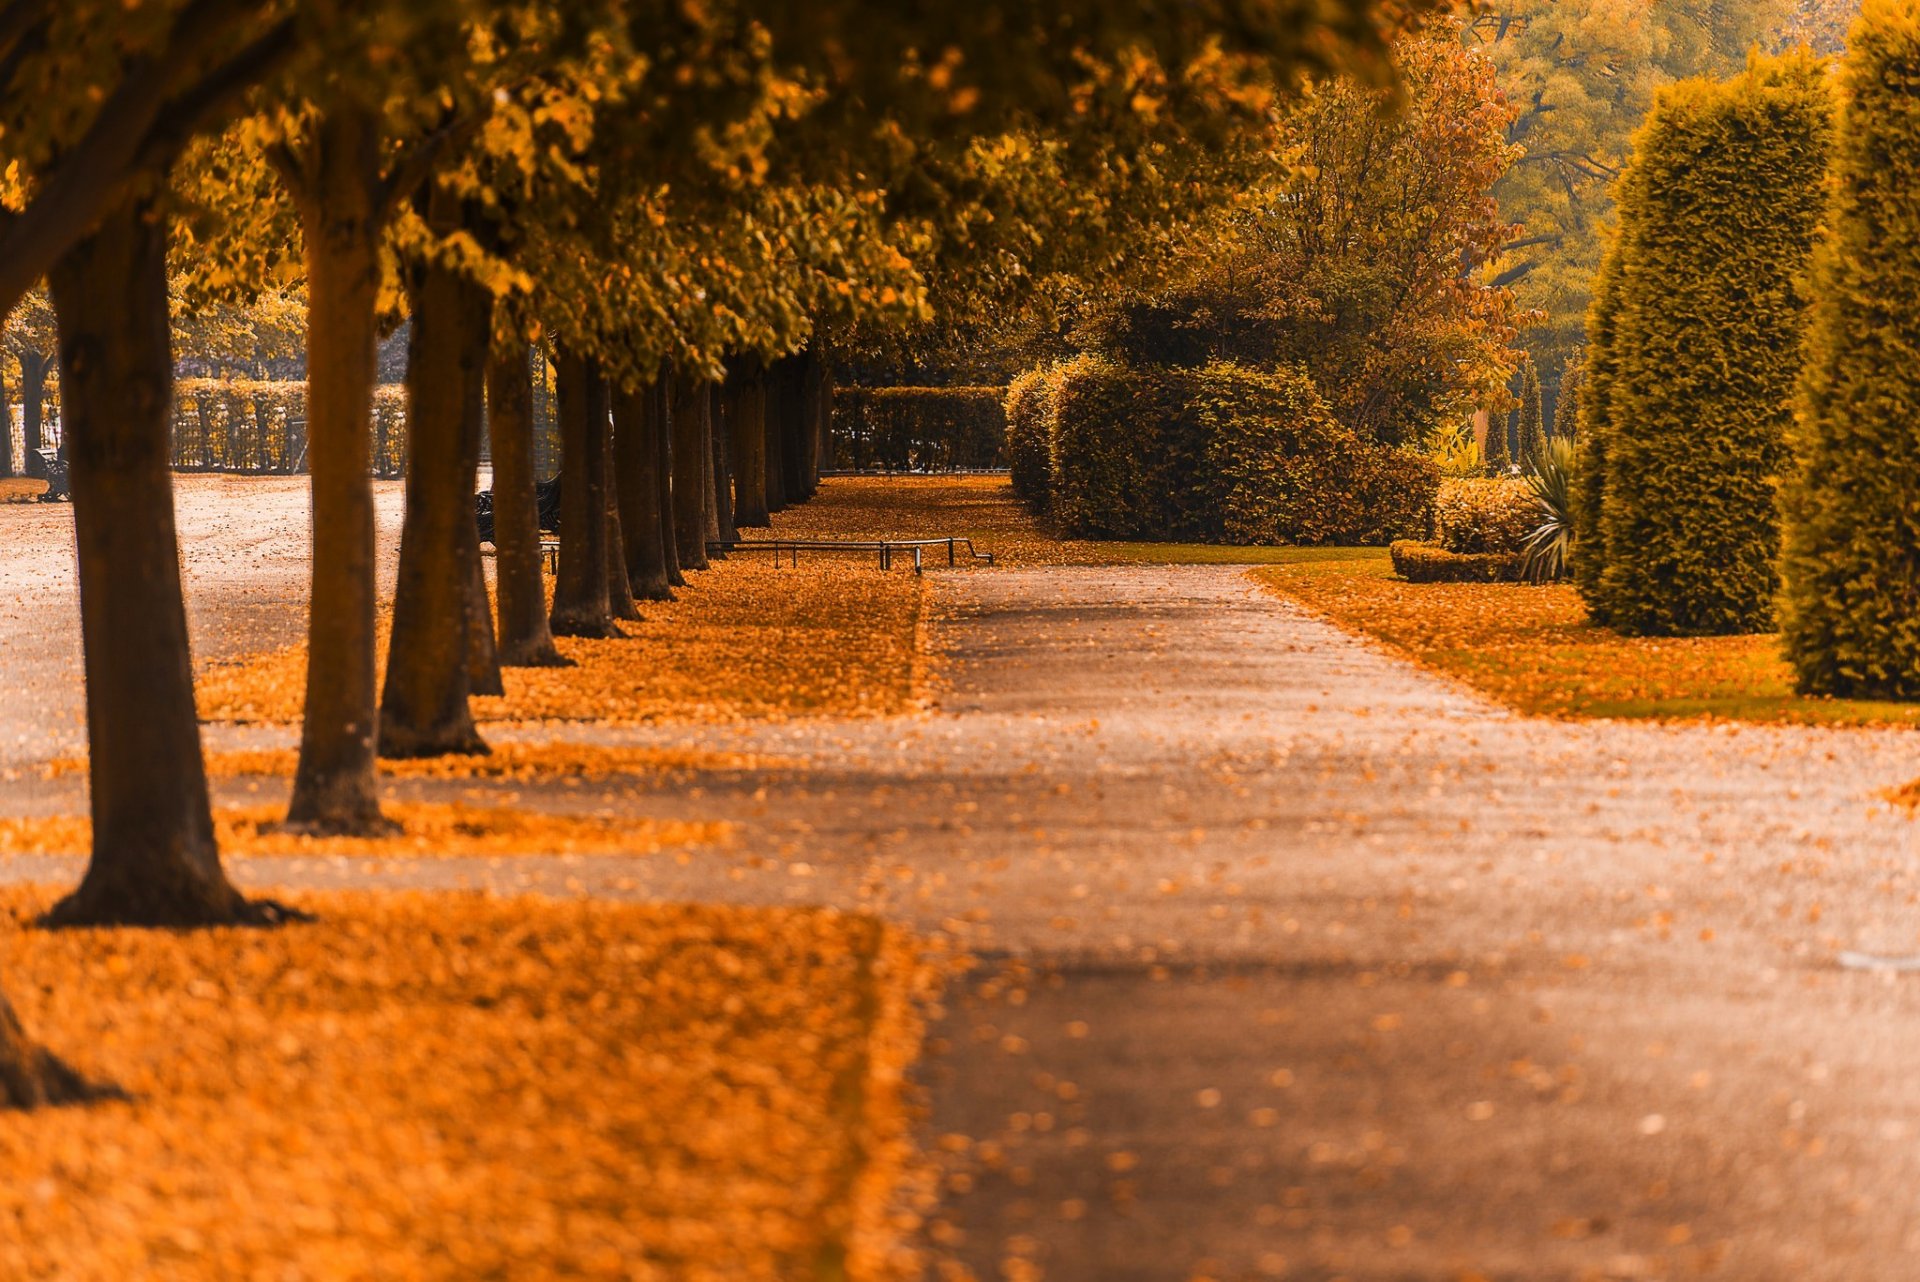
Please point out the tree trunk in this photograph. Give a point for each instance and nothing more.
(154, 859)
(6, 429)
(423, 705)
(722, 452)
(823, 415)
(34, 1078)
(660, 409)
(773, 433)
(525, 640)
(34, 367)
(483, 651)
(581, 607)
(636, 434)
(746, 416)
(619, 586)
(692, 419)
(813, 423)
(792, 389)
(334, 785)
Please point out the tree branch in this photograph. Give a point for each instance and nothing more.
(418, 162)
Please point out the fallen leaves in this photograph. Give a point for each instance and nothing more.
(428, 830)
(508, 762)
(1533, 648)
(454, 1087)
(747, 640)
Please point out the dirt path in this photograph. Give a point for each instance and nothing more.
(1298, 962)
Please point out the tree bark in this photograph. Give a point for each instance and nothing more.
(746, 414)
(773, 433)
(722, 451)
(660, 409)
(34, 368)
(581, 607)
(793, 416)
(423, 705)
(31, 1077)
(334, 785)
(636, 434)
(619, 586)
(525, 640)
(6, 429)
(692, 419)
(154, 860)
(814, 427)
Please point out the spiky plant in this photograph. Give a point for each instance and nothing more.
(1549, 548)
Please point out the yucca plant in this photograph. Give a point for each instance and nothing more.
(1549, 548)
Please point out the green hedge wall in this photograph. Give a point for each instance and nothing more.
(933, 429)
(1222, 454)
(1029, 443)
(1717, 227)
(241, 425)
(1851, 606)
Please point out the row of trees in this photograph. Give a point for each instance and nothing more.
(677, 198)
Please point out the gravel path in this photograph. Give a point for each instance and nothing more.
(1295, 961)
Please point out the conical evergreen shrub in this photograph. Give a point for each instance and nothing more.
(1710, 312)
(1590, 410)
(1851, 606)
(1497, 454)
(1566, 404)
(1531, 434)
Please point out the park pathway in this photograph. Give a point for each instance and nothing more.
(1294, 961)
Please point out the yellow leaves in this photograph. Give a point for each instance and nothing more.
(428, 830)
(451, 1087)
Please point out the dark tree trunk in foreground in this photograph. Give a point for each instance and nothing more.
(34, 368)
(524, 639)
(746, 415)
(580, 604)
(660, 410)
(773, 434)
(619, 586)
(423, 705)
(334, 788)
(34, 1078)
(692, 417)
(154, 860)
(636, 433)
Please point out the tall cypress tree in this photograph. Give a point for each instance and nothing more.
(1710, 311)
(1566, 405)
(1852, 548)
(1498, 456)
(1531, 435)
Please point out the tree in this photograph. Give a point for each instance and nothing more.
(1847, 623)
(1583, 74)
(1498, 451)
(1708, 317)
(1566, 406)
(1530, 431)
(32, 340)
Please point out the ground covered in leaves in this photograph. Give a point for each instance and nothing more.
(1533, 648)
(458, 1087)
(745, 640)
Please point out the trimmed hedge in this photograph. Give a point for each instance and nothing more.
(1222, 454)
(1490, 516)
(1107, 479)
(931, 429)
(1428, 563)
(1278, 468)
(1029, 444)
(1709, 313)
(1590, 441)
(1852, 549)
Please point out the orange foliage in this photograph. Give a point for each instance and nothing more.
(455, 1087)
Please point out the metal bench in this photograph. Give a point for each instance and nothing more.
(549, 551)
(885, 549)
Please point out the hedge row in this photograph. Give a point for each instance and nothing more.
(928, 429)
(1217, 454)
(1852, 554)
(1693, 367)
(1428, 563)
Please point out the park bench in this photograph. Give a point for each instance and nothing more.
(885, 549)
(549, 551)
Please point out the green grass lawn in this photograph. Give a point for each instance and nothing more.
(1534, 649)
